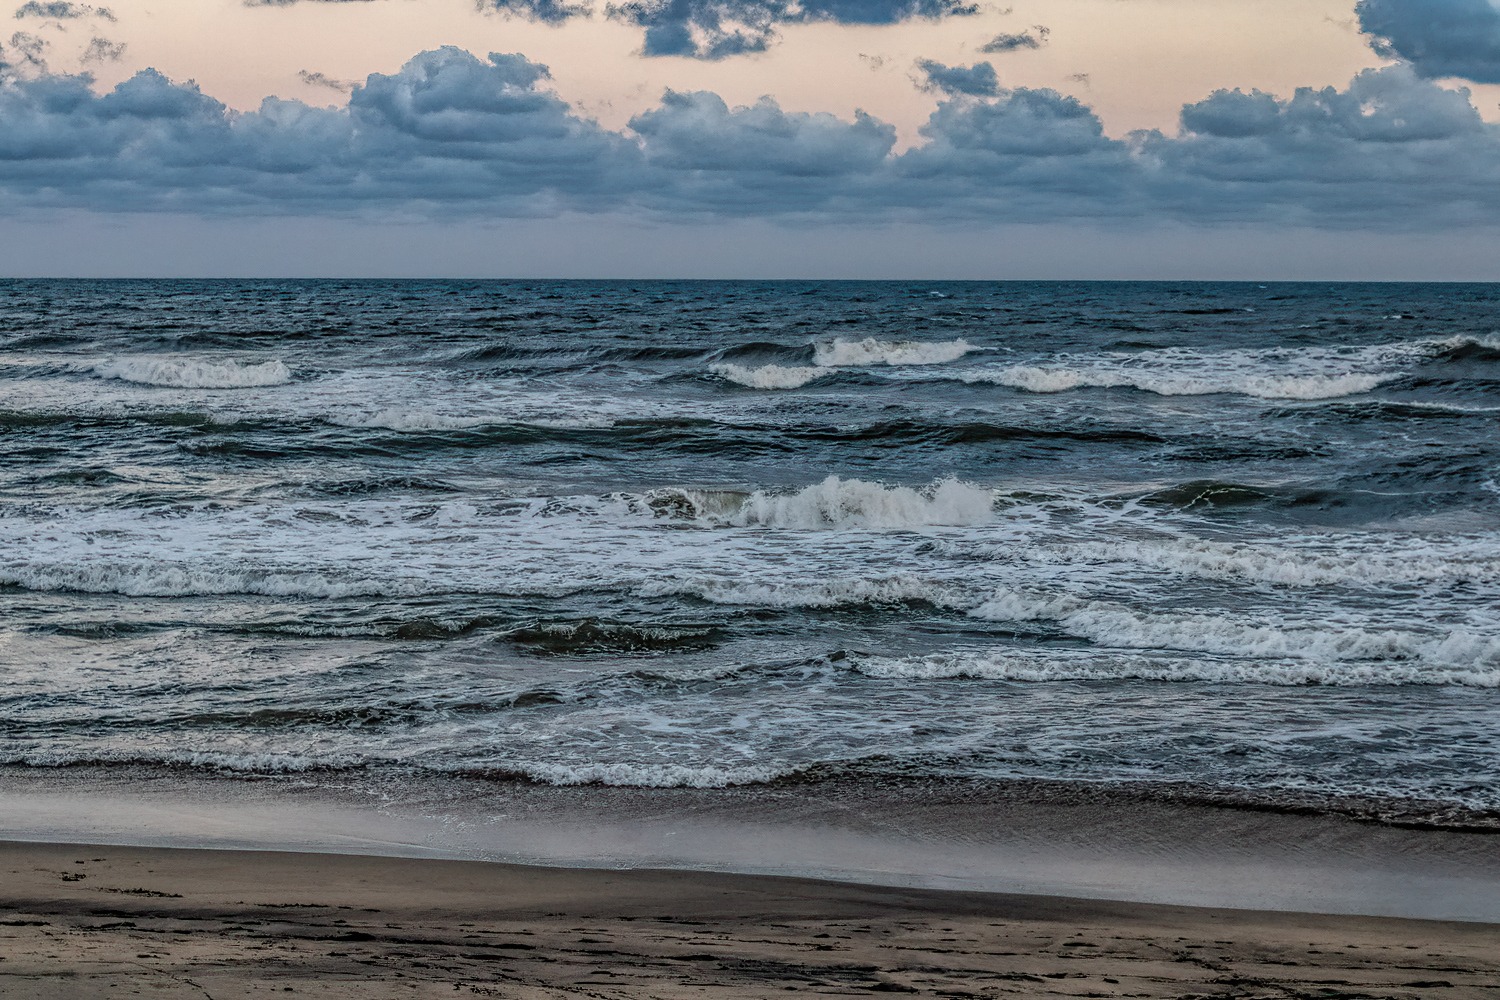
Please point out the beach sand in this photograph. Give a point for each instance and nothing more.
(89, 921)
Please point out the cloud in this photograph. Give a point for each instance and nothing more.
(26, 53)
(978, 80)
(716, 29)
(1033, 39)
(293, 3)
(314, 79)
(1391, 150)
(1440, 38)
(102, 50)
(452, 136)
(61, 10)
(702, 156)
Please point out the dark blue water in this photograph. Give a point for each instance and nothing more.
(1241, 536)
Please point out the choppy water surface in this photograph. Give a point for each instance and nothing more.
(660, 533)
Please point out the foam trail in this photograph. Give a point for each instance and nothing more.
(856, 353)
(195, 373)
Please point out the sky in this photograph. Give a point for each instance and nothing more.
(1315, 139)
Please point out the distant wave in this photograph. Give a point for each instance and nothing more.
(857, 353)
(194, 373)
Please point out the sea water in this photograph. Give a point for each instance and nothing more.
(1239, 538)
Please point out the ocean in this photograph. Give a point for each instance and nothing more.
(1231, 540)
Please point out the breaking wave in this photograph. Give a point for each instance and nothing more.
(869, 351)
(195, 373)
(853, 503)
(769, 376)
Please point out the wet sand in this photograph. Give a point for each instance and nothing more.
(87, 921)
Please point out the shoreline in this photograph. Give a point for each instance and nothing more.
(99, 920)
(1092, 844)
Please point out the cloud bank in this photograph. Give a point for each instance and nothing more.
(452, 135)
(1440, 38)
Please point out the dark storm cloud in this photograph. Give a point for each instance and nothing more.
(1440, 38)
(454, 136)
(716, 29)
(60, 10)
(1033, 39)
(978, 80)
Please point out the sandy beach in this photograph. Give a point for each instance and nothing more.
(92, 921)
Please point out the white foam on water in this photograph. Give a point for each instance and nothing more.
(869, 351)
(194, 373)
(894, 589)
(1029, 667)
(1355, 561)
(1113, 625)
(769, 376)
(410, 419)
